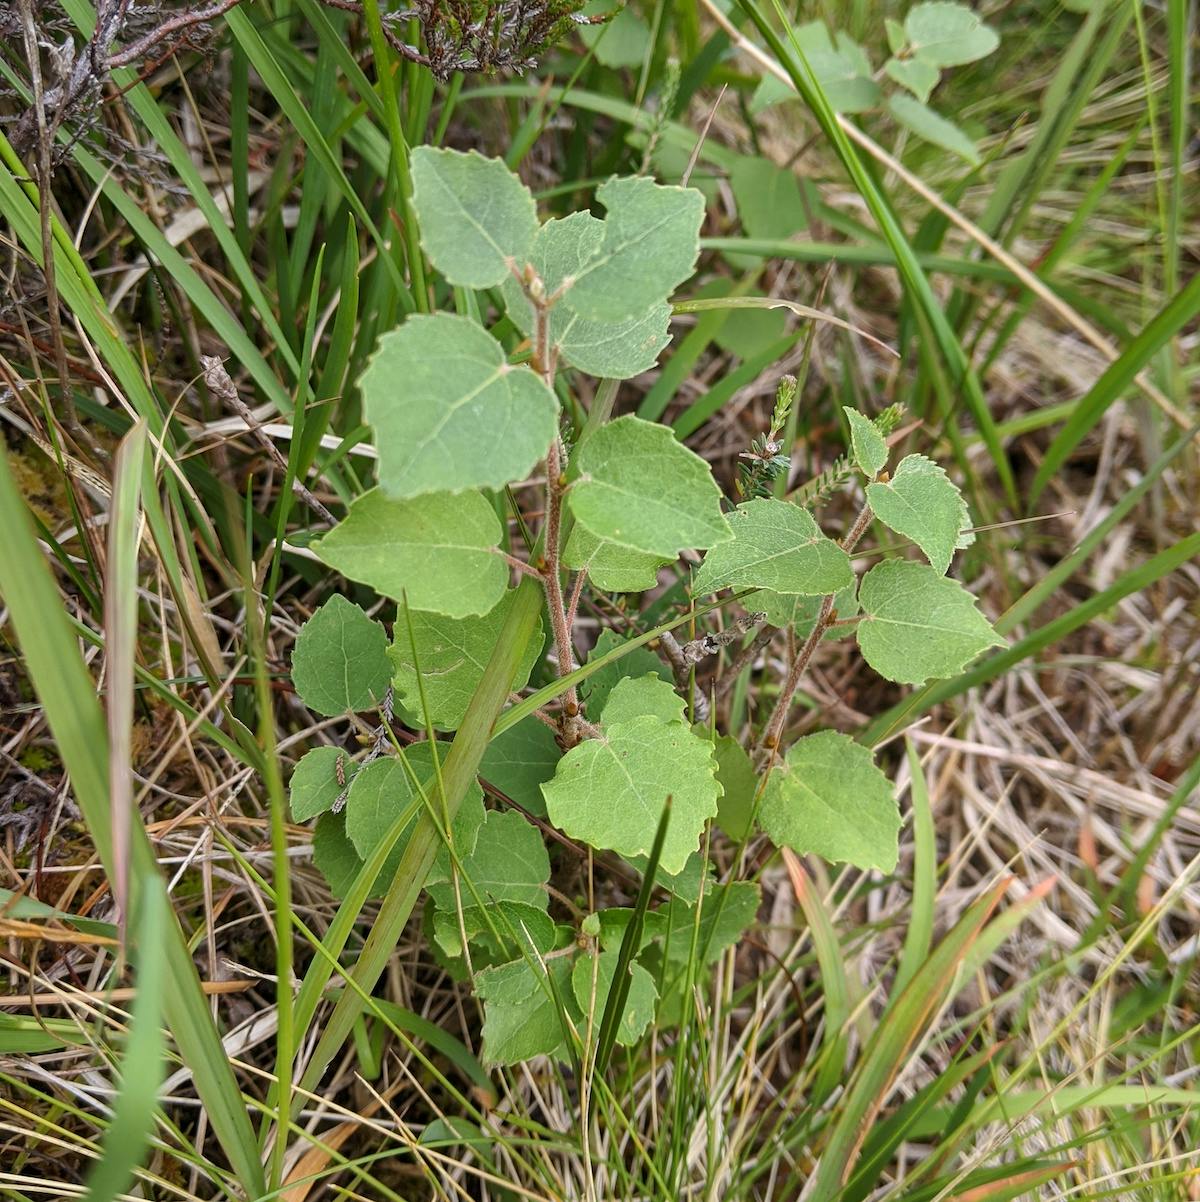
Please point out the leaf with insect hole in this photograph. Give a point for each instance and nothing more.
(650, 246)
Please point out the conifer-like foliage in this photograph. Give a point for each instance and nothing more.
(498, 455)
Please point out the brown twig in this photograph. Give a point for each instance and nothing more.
(222, 385)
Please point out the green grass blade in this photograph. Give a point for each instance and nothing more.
(1117, 377)
(887, 1052)
(631, 942)
(143, 1065)
(68, 695)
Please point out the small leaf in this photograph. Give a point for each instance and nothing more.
(636, 696)
(638, 662)
(509, 863)
(521, 1019)
(610, 568)
(918, 75)
(334, 854)
(610, 791)
(592, 980)
(476, 218)
(620, 42)
(339, 662)
(768, 198)
(441, 549)
(452, 654)
(921, 502)
(383, 790)
(869, 447)
(829, 797)
(615, 349)
(897, 39)
(918, 624)
(639, 487)
(314, 786)
(651, 243)
(450, 413)
(776, 545)
(947, 34)
(739, 785)
(520, 760)
(933, 127)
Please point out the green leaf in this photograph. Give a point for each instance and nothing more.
(638, 662)
(948, 35)
(610, 567)
(739, 785)
(897, 39)
(452, 654)
(440, 549)
(508, 863)
(520, 1017)
(528, 925)
(314, 785)
(768, 198)
(450, 412)
(800, 613)
(616, 349)
(828, 797)
(334, 854)
(477, 219)
(383, 790)
(620, 42)
(592, 980)
(921, 502)
(776, 545)
(637, 696)
(868, 445)
(931, 126)
(918, 624)
(339, 662)
(725, 916)
(918, 75)
(520, 760)
(639, 487)
(651, 243)
(610, 791)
